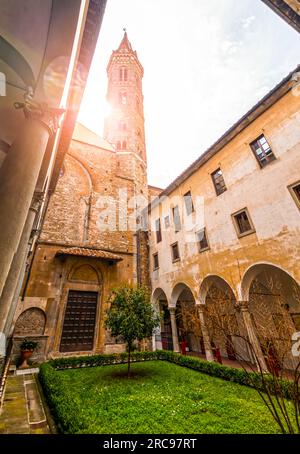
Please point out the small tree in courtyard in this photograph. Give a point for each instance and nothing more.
(131, 316)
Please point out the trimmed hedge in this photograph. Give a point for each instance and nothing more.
(66, 410)
(240, 376)
(101, 360)
(62, 402)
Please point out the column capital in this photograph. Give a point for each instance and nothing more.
(48, 116)
(172, 310)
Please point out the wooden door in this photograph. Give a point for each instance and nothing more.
(79, 322)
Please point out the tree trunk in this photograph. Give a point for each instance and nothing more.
(128, 368)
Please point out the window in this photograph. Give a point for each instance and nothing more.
(262, 151)
(122, 126)
(118, 145)
(202, 240)
(158, 230)
(175, 252)
(218, 180)
(124, 145)
(176, 218)
(123, 97)
(188, 203)
(155, 262)
(167, 222)
(243, 223)
(123, 74)
(295, 192)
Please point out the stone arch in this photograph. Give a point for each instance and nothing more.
(219, 282)
(163, 335)
(71, 207)
(261, 267)
(31, 322)
(224, 324)
(84, 169)
(187, 319)
(181, 290)
(274, 304)
(85, 272)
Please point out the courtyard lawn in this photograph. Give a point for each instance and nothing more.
(160, 397)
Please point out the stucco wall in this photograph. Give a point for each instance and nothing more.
(264, 192)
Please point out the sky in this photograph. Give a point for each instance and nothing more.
(206, 63)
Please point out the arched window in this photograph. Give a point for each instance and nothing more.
(123, 97)
(124, 145)
(118, 145)
(123, 74)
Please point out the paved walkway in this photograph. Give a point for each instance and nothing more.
(227, 362)
(22, 411)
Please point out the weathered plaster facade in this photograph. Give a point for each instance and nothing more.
(88, 241)
(231, 260)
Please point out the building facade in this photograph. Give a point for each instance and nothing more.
(89, 242)
(225, 238)
(40, 66)
(221, 244)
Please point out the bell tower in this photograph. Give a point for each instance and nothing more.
(125, 126)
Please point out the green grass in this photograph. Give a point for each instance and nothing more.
(162, 398)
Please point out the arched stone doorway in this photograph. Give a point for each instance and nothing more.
(79, 325)
(187, 320)
(224, 324)
(274, 304)
(163, 335)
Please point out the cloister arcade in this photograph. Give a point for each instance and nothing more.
(252, 321)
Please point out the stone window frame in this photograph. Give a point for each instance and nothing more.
(188, 202)
(123, 100)
(158, 231)
(177, 259)
(176, 218)
(123, 74)
(220, 188)
(236, 226)
(167, 221)
(270, 158)
(200, 249)
(155, 261)
(295, 197)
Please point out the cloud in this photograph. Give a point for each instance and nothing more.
(248, 21)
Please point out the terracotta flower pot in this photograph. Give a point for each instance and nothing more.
(25, 355)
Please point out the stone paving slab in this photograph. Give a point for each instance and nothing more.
(22, 411)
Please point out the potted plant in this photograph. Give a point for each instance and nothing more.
(27, 348)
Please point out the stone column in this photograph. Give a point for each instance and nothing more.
(207, 345)
(252, 337)
(172, 311)
(19, 174)
(8, 299)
